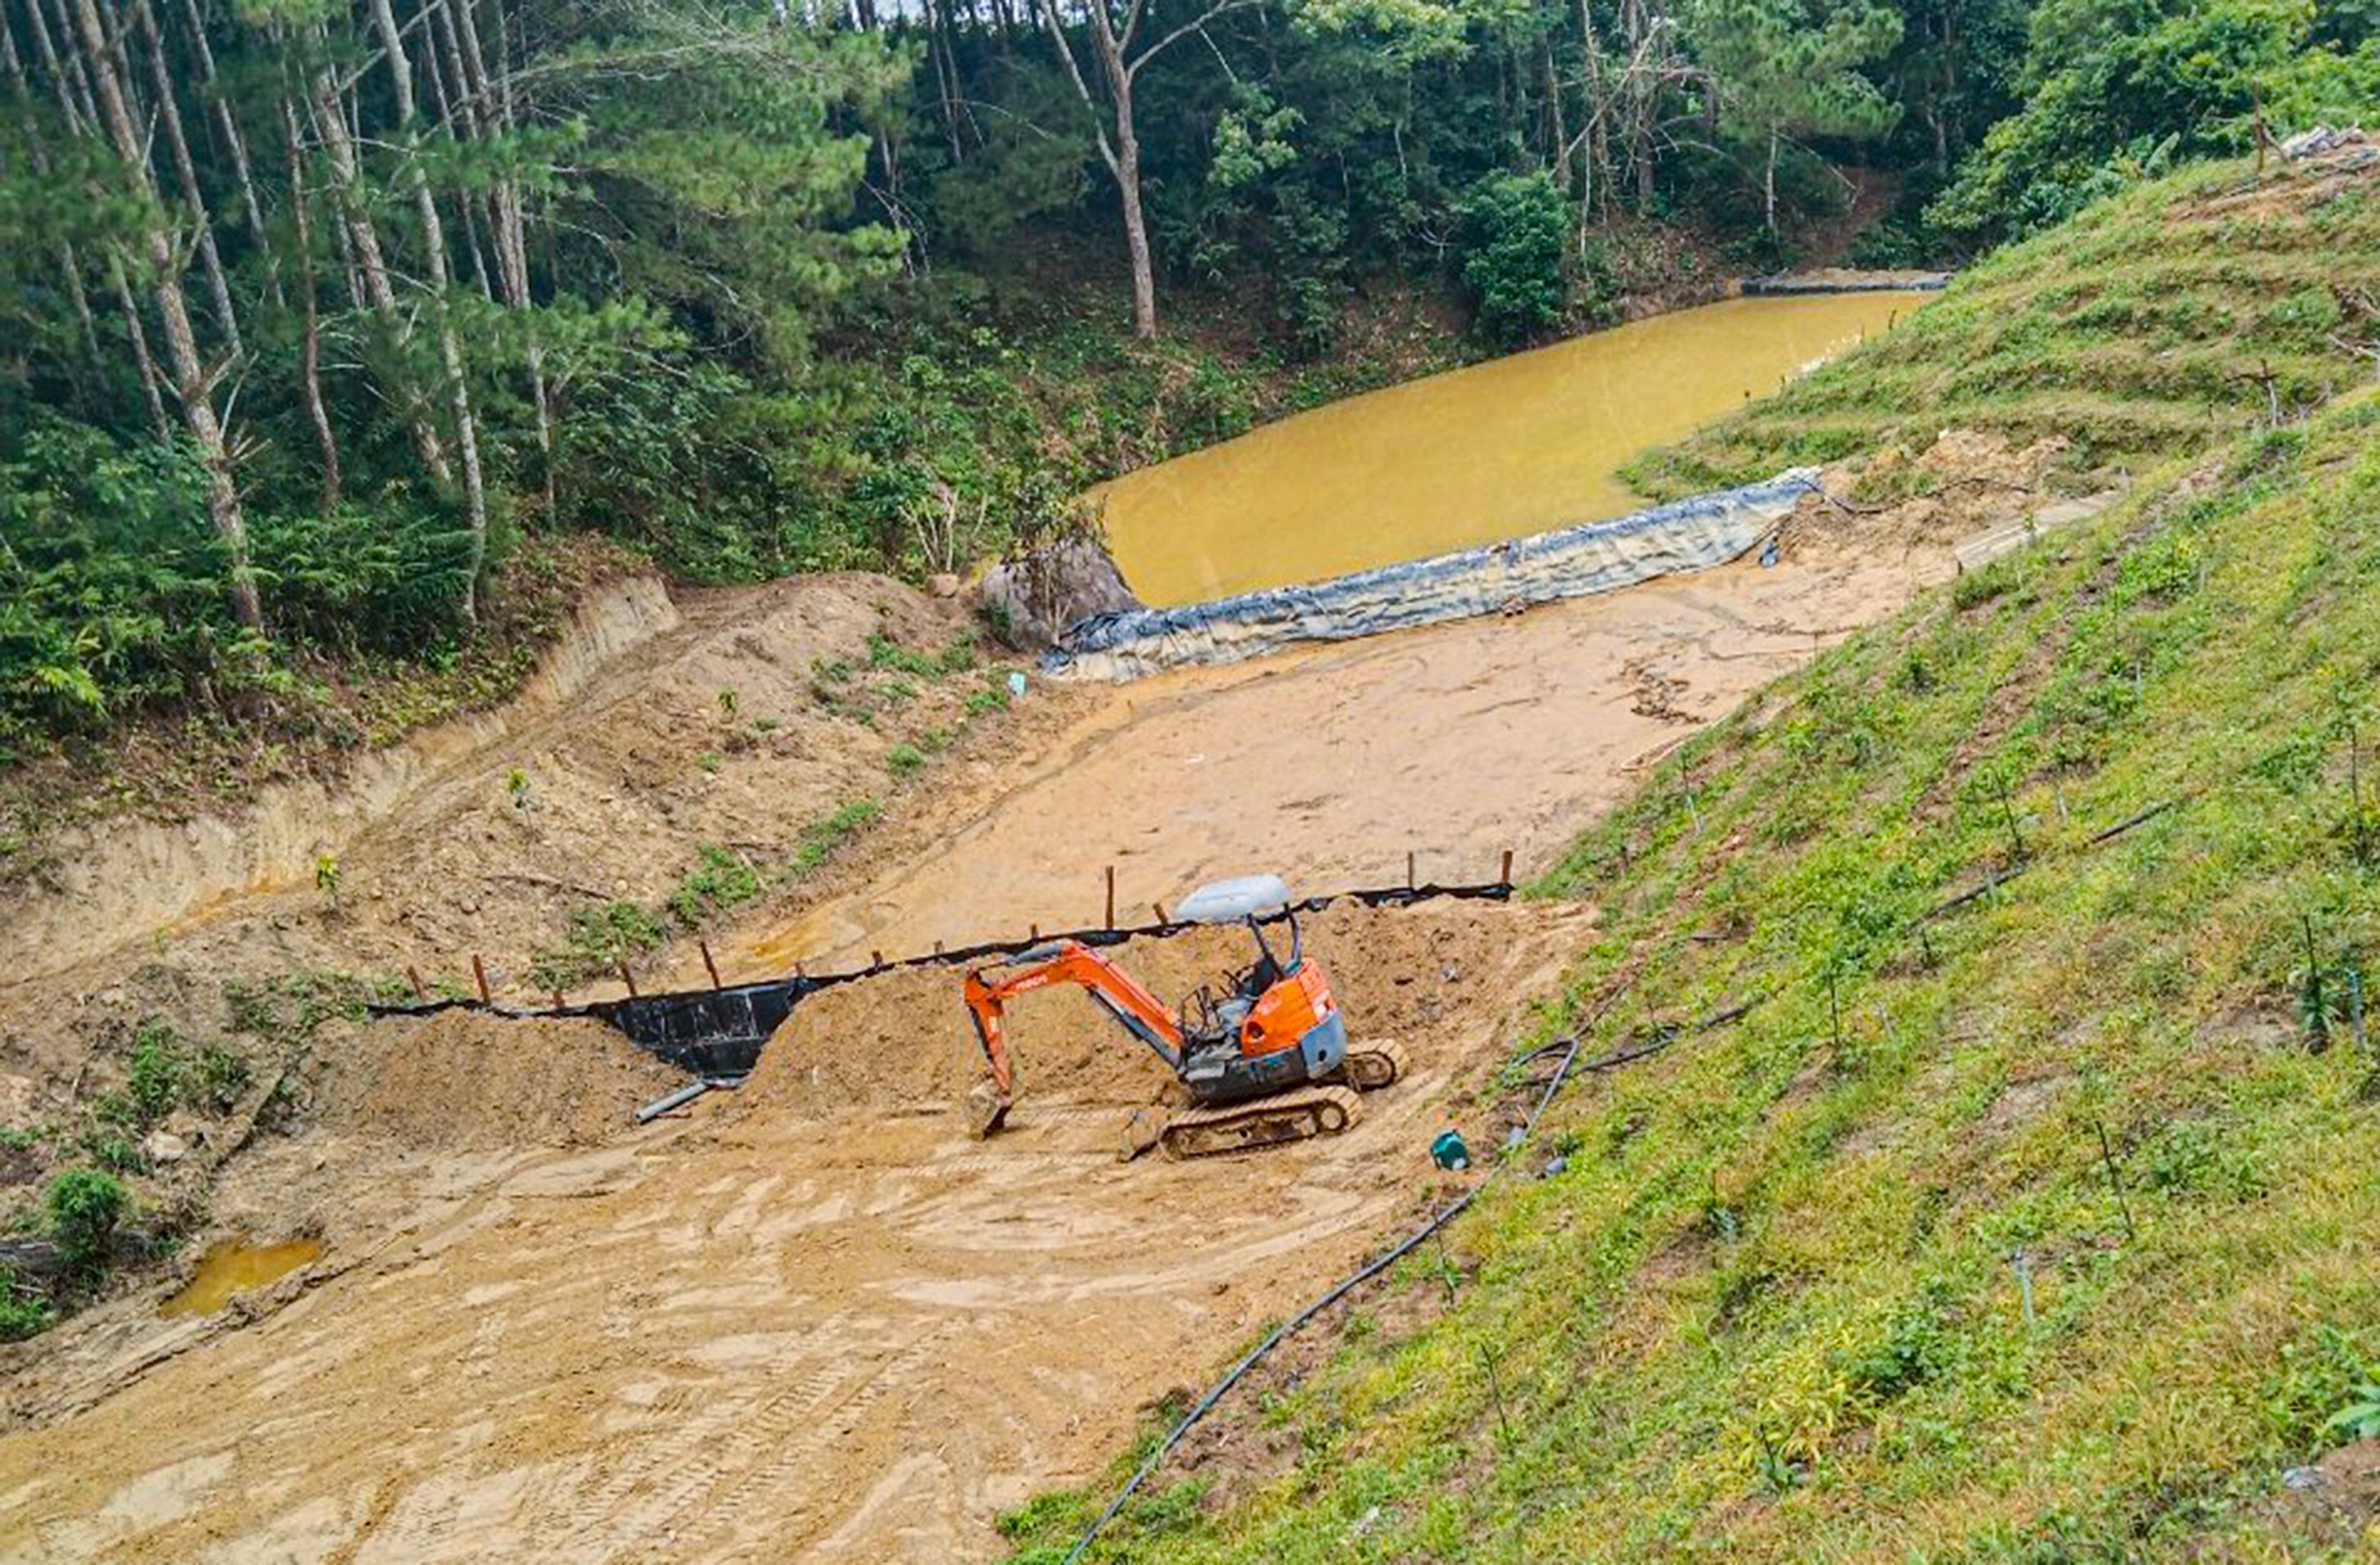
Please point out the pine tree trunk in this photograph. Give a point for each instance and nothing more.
(73, 84)
(235, 143)
(69, 262)
(1124, 161)
(450, 356)
(512, 238)
(309, 353)
(370, 262)
(1136, 226)
(1769, 187)
(169, 115)
(1560, 125)
(181, 342)
(143, 361)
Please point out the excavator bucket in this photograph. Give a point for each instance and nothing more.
(987, 1108)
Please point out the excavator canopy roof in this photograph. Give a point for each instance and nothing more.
(1228, 902)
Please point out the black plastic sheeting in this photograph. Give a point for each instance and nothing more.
(719, 1032)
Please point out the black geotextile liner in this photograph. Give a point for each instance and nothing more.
(719, 1032)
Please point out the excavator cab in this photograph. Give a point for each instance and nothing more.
(1277, 1025)
(1215, 1014)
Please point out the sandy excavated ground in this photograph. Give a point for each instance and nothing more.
(1330, 764)
(814, 1321)
(783, 1329)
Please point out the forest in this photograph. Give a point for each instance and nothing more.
(340, 336)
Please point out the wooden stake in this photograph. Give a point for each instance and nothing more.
(1160, 908)
(1409, 869)
(420, 989)
(879, 956)
(1504, 876)
(708, 965)
(629, 979)
(479, 975)
(1110, 919)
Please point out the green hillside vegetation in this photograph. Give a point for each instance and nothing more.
(1771, 1309)
(2180, 309)
(346, 340)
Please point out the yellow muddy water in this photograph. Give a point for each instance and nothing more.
(235, 1268)
(1494, 450)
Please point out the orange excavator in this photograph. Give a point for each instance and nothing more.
(1263, 1055)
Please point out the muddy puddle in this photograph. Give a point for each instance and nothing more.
(236, 1268)
(1494, 450)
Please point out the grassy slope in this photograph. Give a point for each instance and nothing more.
(2141, 329)
(1768, 1311)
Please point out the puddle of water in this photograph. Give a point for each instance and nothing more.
(236, 1268)
(1490, 452)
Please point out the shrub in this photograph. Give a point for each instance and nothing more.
(599, 939)
(720, 881)
(83, 1207)
(19, 1316)
(221, 1077)
(1515, 228)
(821, 838)
(160, 1063)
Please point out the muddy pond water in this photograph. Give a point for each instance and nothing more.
(1493, 451)
(235, 1268)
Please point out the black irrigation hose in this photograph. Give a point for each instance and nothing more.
(1281, 1333)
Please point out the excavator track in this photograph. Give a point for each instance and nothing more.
(1272, 1121)
(1376, 1065)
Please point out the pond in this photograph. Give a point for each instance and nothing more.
(1496, 450)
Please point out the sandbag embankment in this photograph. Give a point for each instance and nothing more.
(1574, 562)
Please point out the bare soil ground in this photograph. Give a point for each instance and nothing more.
(1453, 743)
(815, 1321)
(783, 1328)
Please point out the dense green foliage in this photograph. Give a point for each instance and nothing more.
(1513, 231)
(2032, 1224)
(324, 318)
(2116, 88)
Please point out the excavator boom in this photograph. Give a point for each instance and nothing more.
(1060, 962)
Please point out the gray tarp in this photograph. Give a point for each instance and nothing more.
(1685, 535)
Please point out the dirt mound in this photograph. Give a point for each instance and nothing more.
(463, 1080)
(1962, 483)
(902, 1040)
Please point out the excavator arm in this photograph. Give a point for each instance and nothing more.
(1140, 1013)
